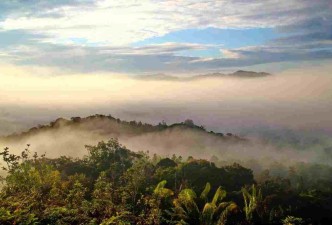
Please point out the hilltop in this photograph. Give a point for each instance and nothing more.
(110, 125)
(236, 74)
(186, 137)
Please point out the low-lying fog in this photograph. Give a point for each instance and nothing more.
(295, 101)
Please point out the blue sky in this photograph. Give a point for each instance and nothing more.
(217, 38)
(190, 36)
(229, 38)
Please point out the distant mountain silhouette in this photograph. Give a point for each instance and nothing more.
(238, 74)
(243, 73)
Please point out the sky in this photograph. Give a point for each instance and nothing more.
(166, 36)
(64, 58)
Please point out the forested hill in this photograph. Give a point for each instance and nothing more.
(184, 138)
(110, 125)
(107, 183)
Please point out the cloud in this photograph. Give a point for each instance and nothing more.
(39, 8)
(87, 36)
(35, 95)
(156, 49)
(166, 57)
(230, 54)
(117, 59)
(128, 21)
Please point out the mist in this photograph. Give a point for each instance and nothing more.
(70, 140)
(295, 100)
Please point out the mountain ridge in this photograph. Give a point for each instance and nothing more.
(236, 74)
(144, 127)
(69, 136)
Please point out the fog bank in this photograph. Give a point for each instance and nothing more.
(296, 99)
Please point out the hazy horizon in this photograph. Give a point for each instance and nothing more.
(64, 59)
(293, 99)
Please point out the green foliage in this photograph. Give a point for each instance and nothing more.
(205, 192)
(291, 220)
(113, 185)
(161, 191)
(111, 157)
(199, 172)
(188, 209)
(251, 201)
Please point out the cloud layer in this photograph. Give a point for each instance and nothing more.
(128, 21)
(86, 35)
(295, 99)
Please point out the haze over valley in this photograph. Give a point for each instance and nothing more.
(166, 112)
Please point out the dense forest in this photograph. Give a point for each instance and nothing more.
(65, 136)
(114, 185)
(109, 124)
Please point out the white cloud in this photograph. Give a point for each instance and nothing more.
(167, 48)
(230, 54)
(126, 21)
(98, 36)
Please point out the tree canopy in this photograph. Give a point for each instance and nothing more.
(113, 185)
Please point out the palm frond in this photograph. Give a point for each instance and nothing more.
(206, 191)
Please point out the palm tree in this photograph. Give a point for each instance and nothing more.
(251, 201)
(162, 192)
(188, 209)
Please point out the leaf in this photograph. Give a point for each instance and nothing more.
(219, 195)
(208, 212)
(161, 191)
(206, 191)
(187, 195)
(160, 185)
